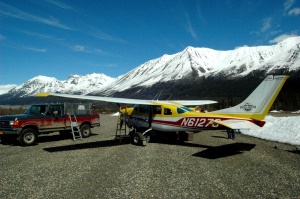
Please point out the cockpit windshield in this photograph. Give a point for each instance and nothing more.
(183, 109)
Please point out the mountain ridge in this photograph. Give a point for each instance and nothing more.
(190, 67)
(205, 62)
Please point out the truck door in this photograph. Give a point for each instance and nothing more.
(38, 116)
(58, 119)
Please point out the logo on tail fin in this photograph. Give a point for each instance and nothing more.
(248, 107)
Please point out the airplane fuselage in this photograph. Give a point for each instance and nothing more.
(171, 118)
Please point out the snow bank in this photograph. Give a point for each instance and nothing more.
(280, 129)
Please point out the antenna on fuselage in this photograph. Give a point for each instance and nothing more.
(158, 95)
(170, 97)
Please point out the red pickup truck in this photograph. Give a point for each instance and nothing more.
(47, 118)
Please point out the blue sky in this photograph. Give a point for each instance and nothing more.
(57, 38)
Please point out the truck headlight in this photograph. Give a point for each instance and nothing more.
(14, 122)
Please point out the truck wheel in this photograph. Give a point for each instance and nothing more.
(27, 137)
(85, 130)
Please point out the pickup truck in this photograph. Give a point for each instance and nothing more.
(47, 118)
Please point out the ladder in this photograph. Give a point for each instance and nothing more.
(74, 127)
(121, 130)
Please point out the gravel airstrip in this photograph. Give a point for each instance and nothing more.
(210, 166)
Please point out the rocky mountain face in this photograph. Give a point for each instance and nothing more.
(194, 73)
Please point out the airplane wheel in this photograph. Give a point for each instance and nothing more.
(138, 138)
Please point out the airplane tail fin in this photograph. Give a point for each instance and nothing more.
(258, 103)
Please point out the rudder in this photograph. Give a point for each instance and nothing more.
(259, 102)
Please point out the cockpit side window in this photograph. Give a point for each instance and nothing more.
(167, 111)
(183, 109)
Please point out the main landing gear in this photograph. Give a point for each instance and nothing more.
(142, 137)
(139, 138)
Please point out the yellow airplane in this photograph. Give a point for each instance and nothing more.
(153, 116)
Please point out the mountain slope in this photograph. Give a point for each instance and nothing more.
(204, 62)
(74, 84)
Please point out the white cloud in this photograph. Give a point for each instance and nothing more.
(266, 24)
(294, 11)
(16, 13)
(275, 32)
(60, 4)
(190, 28)
(85, 49)
(5, 88)
(79, 48)
(42, 36)
(288, 4)
(281, 38)
(244, 46)
(40, 50)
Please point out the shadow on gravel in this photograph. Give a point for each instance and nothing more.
(53, 138)
(294, 151)
(188, 144)
(222, 137)
(225, 150)
(90, 145)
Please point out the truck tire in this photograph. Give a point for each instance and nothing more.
(85, 130)
(28, 137)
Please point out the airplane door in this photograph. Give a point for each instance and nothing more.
(145, 113)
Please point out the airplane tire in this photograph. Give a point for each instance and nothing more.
(138, 138)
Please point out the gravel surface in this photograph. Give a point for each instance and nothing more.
(98, 167)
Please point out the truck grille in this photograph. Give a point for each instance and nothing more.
(4, 124)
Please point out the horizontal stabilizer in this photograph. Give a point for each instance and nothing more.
(237, 124)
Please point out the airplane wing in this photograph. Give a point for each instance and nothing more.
(130, 101)
(237, 124)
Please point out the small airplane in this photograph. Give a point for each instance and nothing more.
(173, 116)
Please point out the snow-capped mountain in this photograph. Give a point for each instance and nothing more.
(190, 64)
(74, 84)
(204, 62)
(6, 88)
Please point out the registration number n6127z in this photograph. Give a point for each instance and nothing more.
(199, 122)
